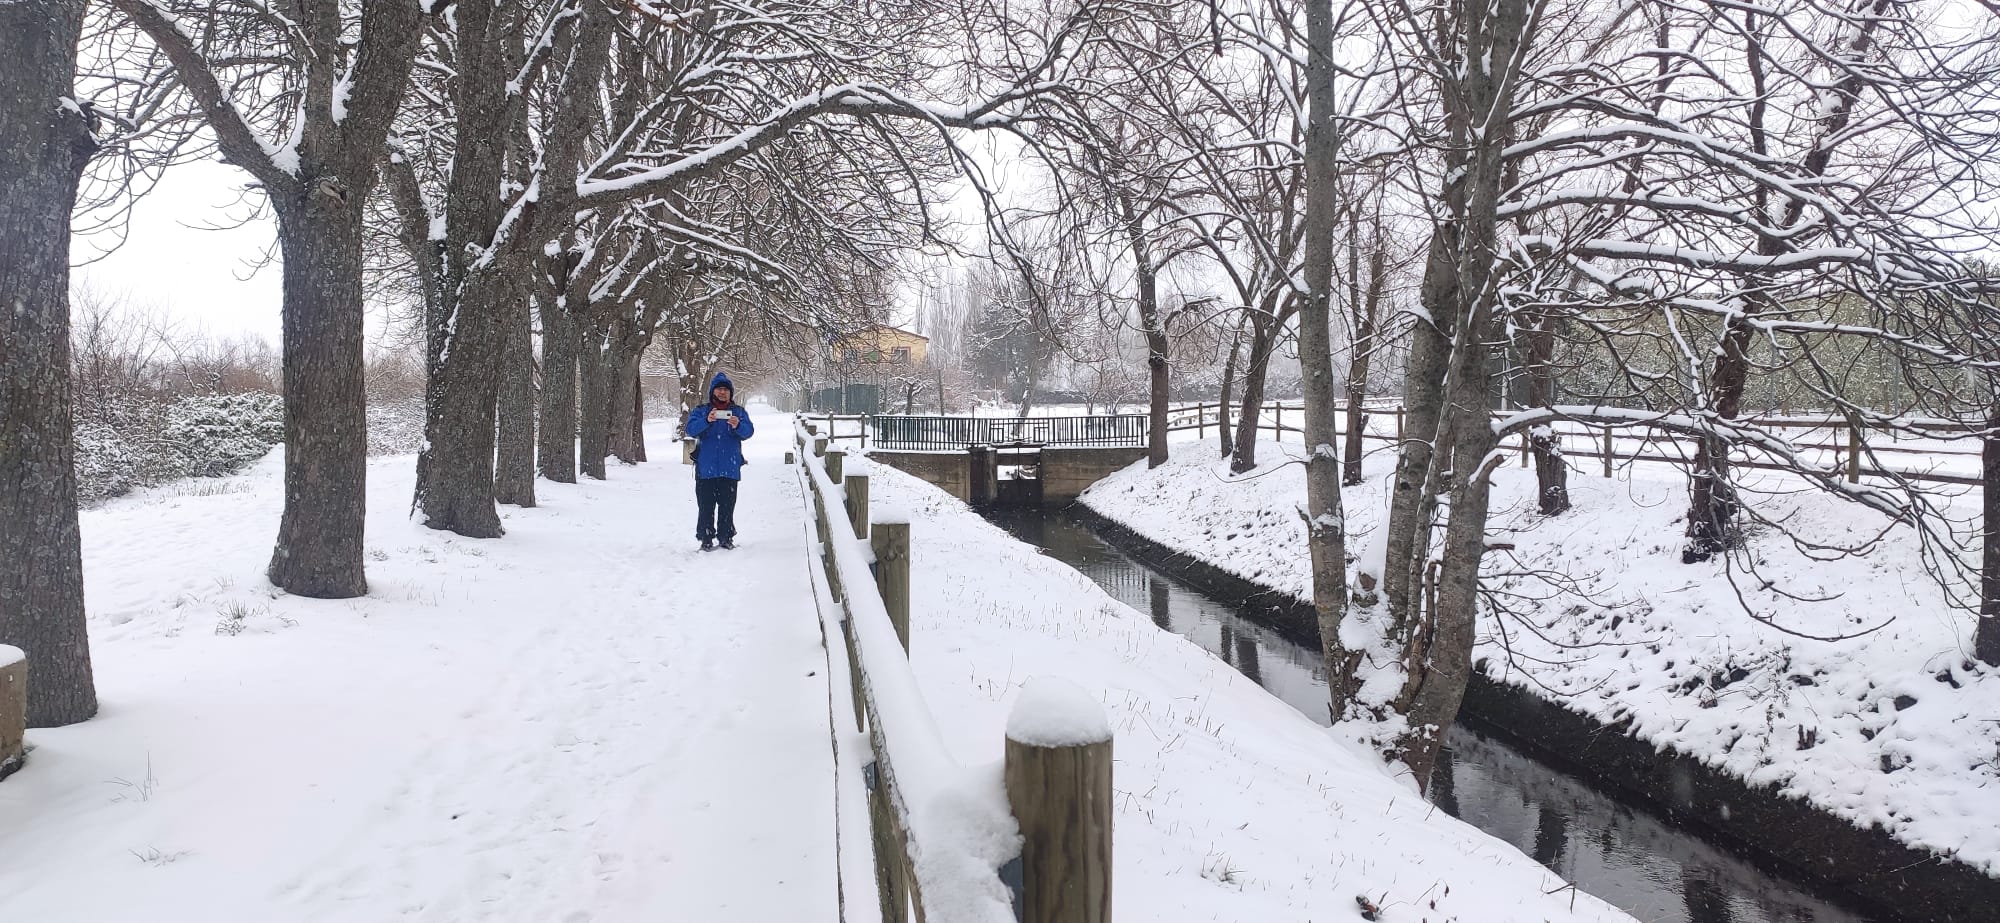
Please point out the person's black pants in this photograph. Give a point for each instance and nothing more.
(715, 503)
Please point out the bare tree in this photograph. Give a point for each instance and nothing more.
(305, 107)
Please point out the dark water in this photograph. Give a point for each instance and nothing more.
(1622, 855)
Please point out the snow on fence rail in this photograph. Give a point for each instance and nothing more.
(957, 845)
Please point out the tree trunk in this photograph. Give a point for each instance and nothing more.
(1263, 343)
(1326, 526)
(320, 536)
(1986, 637)
(455, 473)
(1153, 324)
(556, 434)
(594, 442)
(623, 367)
(514, 479)
(1551, 469)
(1410, 507)
(1367, 314)
(1222, 430)
(44, 145)
(638, 416)
(1712, 503)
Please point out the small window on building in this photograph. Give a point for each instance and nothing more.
(900, 354)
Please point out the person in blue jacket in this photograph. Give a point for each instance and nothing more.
(719, 428)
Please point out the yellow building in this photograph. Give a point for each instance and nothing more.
(881, 345)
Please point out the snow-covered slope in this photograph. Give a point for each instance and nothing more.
(1894, 728)
(1230, 804)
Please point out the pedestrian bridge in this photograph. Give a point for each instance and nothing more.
(1013, 461)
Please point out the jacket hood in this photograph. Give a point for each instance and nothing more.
(722, 381)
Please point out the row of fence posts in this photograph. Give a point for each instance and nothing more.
(1851, 469)
(1060, 795)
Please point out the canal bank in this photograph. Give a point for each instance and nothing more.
(1865, 869)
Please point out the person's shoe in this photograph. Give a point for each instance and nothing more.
(728, 543)
(707, 545)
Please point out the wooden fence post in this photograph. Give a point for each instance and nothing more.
(836, 465)
(791, 458)
(819, 446)
(857, 503)
(1058, 779)
(1524, 448)
(1853, 453)
(1399, 424)
(1607, 451)
(1278, 422)
(13, 709)
(891, 539)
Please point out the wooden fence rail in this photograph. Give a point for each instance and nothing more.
(1846, 440)
(1059, 790)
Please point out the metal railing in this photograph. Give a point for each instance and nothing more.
(954, 434)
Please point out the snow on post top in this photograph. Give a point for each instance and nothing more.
(888, 513)
(1054, 712)
(10, 656)
(855, 466)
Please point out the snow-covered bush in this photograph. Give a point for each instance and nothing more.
(396, 427)
(212, 435)
(104, 466)
(135, 442)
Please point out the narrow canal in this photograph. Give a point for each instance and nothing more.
(1630, 858)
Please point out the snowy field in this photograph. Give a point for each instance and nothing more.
(587, 720)
(1230, 804)
(1895, 728)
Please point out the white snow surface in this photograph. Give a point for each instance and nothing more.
(1054, 712)
(1230, 805)
(1898, 728)
(10, 656)
(585, 720)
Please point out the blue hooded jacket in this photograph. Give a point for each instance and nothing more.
(718, 447)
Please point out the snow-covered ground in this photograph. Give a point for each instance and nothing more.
(585, 720)
(1230, 804)
(1895, 728)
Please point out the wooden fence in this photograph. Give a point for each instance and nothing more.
(1059, 795)
(1855, 453)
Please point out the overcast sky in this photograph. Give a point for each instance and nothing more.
(201, 277)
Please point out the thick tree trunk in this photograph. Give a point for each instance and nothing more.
(1551, 469)
(555, 435)
(514, 479)
(44, 145)
(622, 418)
(594, 432)
(1326, 525)
(455, 472)
(320, 536)
(1263, 343)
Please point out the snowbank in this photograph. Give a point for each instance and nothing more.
(1895, 728)
(1230, 804)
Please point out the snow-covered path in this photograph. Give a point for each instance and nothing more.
(585, 720)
